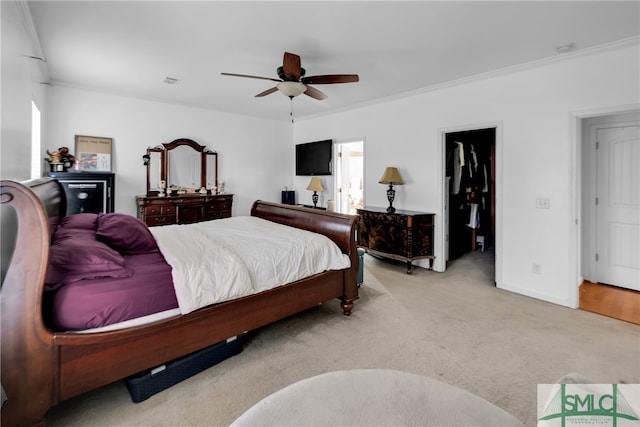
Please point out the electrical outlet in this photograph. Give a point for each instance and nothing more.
(543, 203)
(536, 268)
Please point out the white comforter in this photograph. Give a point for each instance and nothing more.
(216, 261)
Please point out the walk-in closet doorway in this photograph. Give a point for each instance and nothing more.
(469, 170)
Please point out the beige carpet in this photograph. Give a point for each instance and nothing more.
(455, 327)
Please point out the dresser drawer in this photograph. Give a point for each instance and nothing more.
(159, 210)
(184, 209)
(216, 207)
(160, 220)
(218, 214)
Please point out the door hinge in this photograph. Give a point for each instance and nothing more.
(597, 257)
(597, 201)
(597, 145)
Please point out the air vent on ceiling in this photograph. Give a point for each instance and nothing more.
(170, 80)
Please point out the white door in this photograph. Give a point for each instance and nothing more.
(349, 177)
(618, 206)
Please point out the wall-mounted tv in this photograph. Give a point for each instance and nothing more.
(314, 158)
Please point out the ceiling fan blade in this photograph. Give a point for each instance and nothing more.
(330, 78)
(315, 93)
(250, 77)
(291, 65)
(267, 92)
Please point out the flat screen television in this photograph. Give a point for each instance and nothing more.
(314, 158)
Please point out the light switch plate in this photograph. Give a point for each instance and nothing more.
(543, 203)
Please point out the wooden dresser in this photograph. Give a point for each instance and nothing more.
(403, 235)
(183, 209)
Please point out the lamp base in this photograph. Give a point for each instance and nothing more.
(391, 194)
(314, 198)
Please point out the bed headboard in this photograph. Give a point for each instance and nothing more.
(41, 198)
(27, 209)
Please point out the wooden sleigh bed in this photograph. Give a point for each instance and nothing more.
(42, 367)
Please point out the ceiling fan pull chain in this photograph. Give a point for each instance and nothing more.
(291, 113)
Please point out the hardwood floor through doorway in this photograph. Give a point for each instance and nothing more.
(611, 301)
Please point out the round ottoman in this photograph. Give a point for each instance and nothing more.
(374, 397)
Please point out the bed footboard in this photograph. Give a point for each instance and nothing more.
(338, 227)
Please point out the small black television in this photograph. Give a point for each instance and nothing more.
(314, 158)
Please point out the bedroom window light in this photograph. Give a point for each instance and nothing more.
(36, 164)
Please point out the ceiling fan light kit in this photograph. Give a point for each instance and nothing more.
(291, 89)
(292, 81)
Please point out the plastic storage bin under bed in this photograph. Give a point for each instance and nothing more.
(145, 384)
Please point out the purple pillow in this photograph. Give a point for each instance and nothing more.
(125, 233)
(75, 225)
(76, 259)
(83, 221)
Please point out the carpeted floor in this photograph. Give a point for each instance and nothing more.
(454, 326)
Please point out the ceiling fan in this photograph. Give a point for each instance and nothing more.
(292, 81)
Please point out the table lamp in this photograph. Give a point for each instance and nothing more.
(391, 176)
(315, 185)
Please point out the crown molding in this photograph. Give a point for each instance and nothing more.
(30, 29)
(635, 40)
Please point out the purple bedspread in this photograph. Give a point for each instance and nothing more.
(99, 302)
(104, 269)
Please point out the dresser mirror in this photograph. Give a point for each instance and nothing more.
(183, 165)
(184, 168)
(154, 168)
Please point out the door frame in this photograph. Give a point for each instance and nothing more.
(578, 235)
(440, 263)
(336, 182)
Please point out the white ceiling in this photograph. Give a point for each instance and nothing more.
(129, 47)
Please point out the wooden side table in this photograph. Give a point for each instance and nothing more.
(403, 235)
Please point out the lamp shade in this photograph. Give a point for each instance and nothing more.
(315, 185)
(391, 176)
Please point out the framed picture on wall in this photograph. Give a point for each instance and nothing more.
(93, 153)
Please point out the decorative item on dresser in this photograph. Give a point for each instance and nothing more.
(183, 209)
(403, 235)
(87, 192)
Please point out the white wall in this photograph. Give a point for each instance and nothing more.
(536, 155)
(254, 155)
(21, 77)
